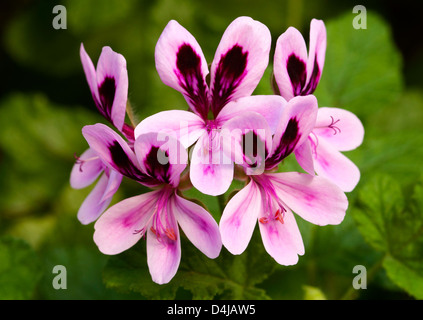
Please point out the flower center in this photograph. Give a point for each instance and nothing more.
(161, 222)
(212, 125)
(213, 141)
(279, 215)
(273, 208)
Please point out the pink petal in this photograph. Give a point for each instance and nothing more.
(163, 254)
(341, 128)
(94, 204)
(270, 107)
(160, 156)
(211, 170)
(314, 198)
(112, 81)
(186, 126)
(297, 120)
(239, 218)
(335, 166)
(247, 139)
(181, 65)
(290, 63)
(90, 72)
(239, 62)
(122, 225)
(114, 151)
(316, 54)
(86, 170)
(115, 178)
(304, 157)
(198, 225)
(108, 84)
(282, 240)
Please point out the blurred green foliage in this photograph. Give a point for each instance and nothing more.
(45, 102)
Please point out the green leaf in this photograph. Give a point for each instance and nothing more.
(20, 269)
(392, 222)
(380, 200)
(391, 141)
(128, 272)
(83, 265)
(71, 245)
(389, 221)
(406, 114)
(362, 71)
(232, 277)
(404, 276)
(396, 154)
(227, 277)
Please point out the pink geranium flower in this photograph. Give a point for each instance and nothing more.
(238, 65)
(156, 163)
(109, 88)
(268, 198)
(297, 74)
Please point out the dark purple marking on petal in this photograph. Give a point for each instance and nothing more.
(128, 131)
(191, 79)
(106, 91)
(155, 168)
(286, 146)
(314, 79)
(230, 72)
(124, 165)
(254, 149)
(297, 73)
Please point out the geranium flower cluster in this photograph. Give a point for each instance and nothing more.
(227, 130)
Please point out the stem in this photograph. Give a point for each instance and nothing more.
(131, 114)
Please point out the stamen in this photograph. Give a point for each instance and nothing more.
(280, 214)
(137, 231)
(273, 207)
(170, 233)
(80, 161)
(143, 229)
(161, 221)
(264, 220)
(333, 127)
(154, 231)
